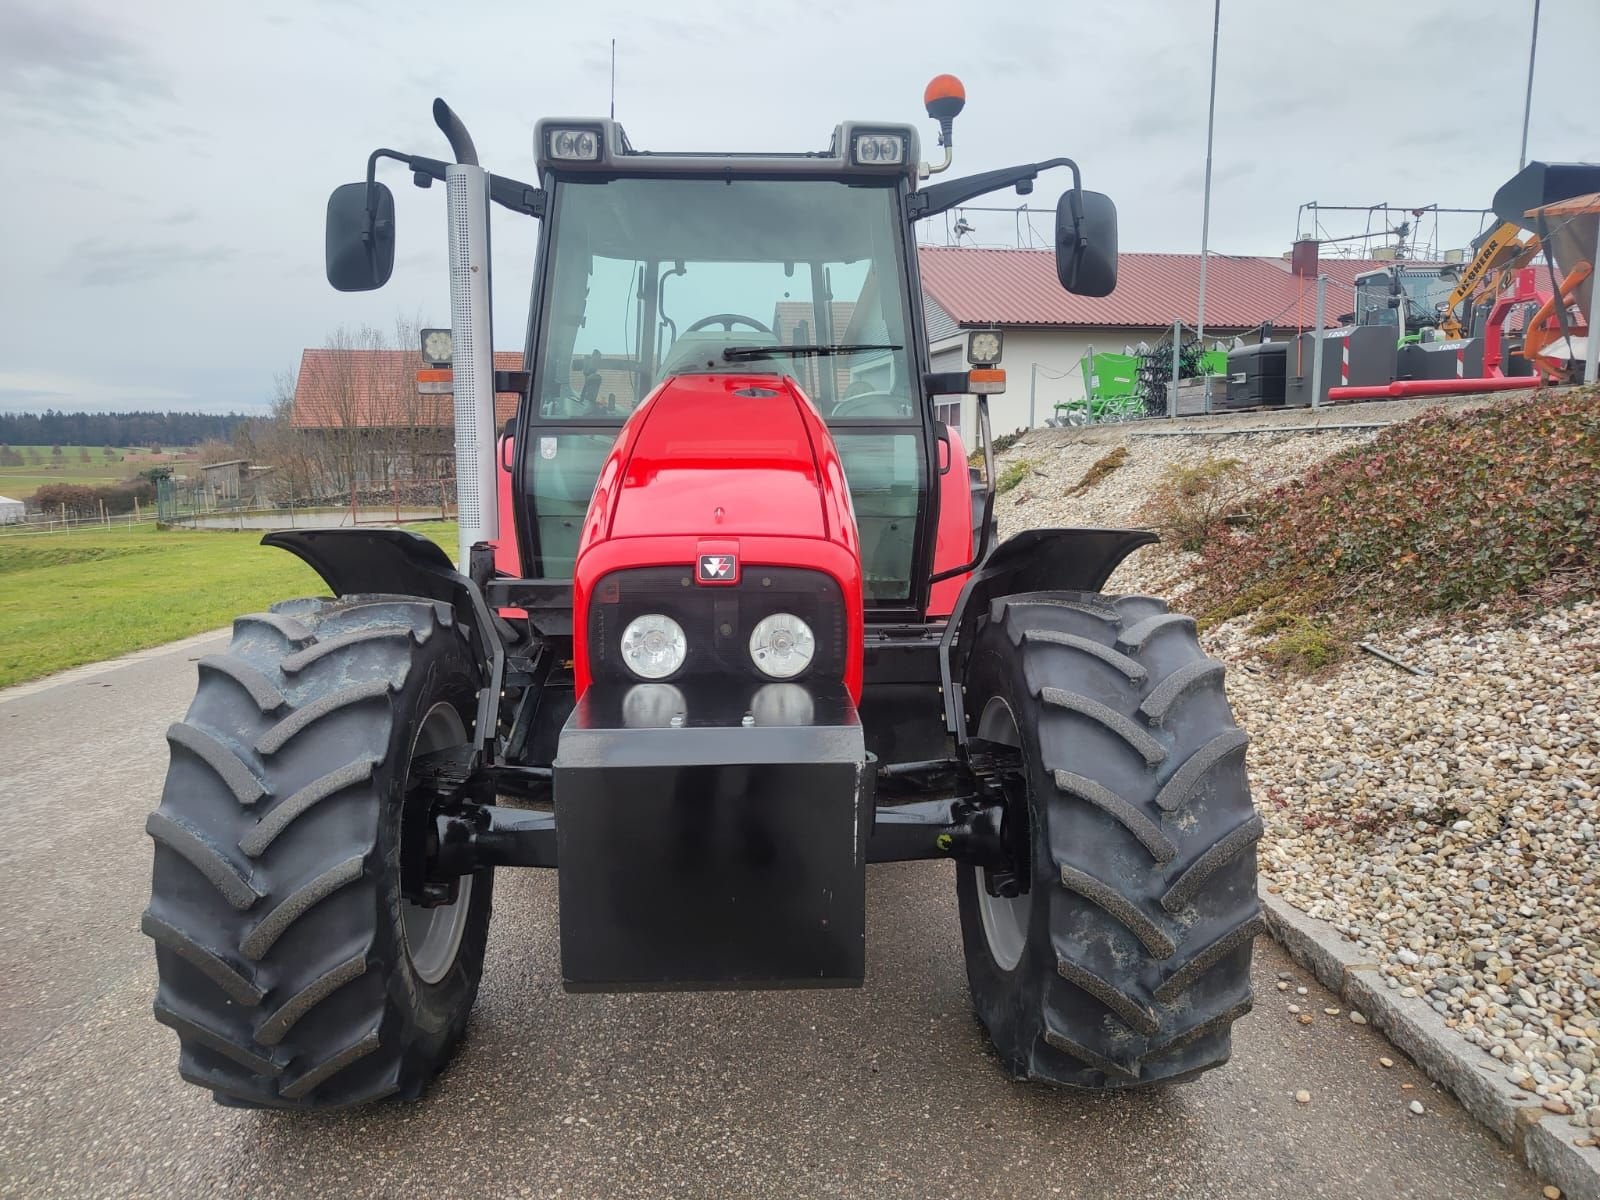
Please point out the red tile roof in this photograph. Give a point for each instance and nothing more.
(367, 388)
(1019, 287)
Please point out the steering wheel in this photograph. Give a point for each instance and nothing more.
(872, 404)
(728, 321)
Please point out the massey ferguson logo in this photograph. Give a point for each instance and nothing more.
(716, 568)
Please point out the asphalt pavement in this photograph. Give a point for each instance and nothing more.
(888, 1090)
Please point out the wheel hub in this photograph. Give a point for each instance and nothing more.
(1004, 906)
(432, 933)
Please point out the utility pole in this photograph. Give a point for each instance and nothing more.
(1205, 219)
(1527, 100)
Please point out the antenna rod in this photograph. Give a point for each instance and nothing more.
(613, 79)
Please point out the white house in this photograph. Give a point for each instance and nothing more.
(11, 511)
(1048, 332)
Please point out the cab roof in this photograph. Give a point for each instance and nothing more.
(617, 155)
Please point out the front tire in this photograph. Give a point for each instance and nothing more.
(1127, 959)
(290, 966)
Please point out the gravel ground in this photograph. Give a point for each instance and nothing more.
(1446, 822)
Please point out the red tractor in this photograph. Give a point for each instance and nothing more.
(741, 628)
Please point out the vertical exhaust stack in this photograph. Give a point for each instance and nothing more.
(472, 338)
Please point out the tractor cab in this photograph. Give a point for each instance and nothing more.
(798, 266)
(1408, 297)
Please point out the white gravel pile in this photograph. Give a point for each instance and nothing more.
(1058, 458)
(1450, 822)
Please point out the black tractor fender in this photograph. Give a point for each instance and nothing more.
(401, 563)
(1036, 560)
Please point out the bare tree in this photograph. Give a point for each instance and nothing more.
(215, 450)
(397, 409)
(362, 426)
(344, 387)
(291, 451)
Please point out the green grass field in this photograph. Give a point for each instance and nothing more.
(94, 451)
(21, 482)
(72, 598)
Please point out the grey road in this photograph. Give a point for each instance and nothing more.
(884, 1091)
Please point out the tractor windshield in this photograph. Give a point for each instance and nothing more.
(1421, 292)
(653, 277)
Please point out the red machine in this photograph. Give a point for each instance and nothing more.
(730, 622)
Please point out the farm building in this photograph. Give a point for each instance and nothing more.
(224, 479)
(11, 511)
(367, 425)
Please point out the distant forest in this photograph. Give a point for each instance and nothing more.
(117, 429)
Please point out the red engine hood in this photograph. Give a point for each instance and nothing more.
(720, 464)
(721, 456)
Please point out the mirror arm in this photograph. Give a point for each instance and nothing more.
(519, 197)
(370, 237)
(941, 197)
(509, 193)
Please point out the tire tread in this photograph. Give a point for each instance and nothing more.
(279, 977)
(1146, 950)
(191, 845)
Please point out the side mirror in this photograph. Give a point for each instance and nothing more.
(360, 241)
(1086, 243)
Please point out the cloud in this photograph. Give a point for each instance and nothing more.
(1194, 178)
(96, 262)
(31, 391)
(60, 69)
(121, 224)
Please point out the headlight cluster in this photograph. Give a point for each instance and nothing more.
(879, 149)
(574, 145)
(654, 646)
(656, 624)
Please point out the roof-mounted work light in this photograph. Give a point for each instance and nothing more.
(573, 145)
(878, 149)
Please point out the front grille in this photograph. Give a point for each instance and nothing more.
(716, 620)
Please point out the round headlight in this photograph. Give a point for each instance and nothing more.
(653, 646)
(782, 645)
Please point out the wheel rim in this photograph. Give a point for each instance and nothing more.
(433, 935)
(1004, 919)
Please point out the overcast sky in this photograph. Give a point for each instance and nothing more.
(167, 163)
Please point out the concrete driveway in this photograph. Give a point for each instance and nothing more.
(884, 1091)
